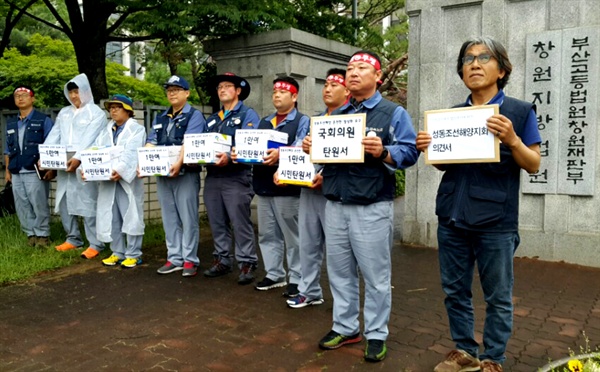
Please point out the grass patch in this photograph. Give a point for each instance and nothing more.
(19, 261)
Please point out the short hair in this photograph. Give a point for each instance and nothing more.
(497, 51)
(289, 80)
(71, 86)
(372, 54)
(26, 87)
(336, 71)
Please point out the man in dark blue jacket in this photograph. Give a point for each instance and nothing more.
(228, 186)
(359, 212)
(478, 208)
(178, 193)
(23, 135)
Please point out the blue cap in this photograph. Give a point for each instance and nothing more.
(177, 81)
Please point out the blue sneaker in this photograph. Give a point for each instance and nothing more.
(301, 301)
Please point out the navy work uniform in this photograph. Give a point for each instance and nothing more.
(228, 193)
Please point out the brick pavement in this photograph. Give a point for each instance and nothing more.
(88, 317)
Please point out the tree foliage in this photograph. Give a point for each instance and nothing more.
(51, 64)
(176, 29)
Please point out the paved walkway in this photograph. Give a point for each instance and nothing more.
(90, 318)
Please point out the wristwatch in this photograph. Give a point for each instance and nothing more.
(384, 154)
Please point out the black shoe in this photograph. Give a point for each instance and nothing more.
(291, 291)
(375, 351)
(246, 273)
(217, 269)
(266, 284)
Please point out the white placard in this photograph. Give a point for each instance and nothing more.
(251, 145)
(202, 148)
(53, 156)
(337, 138)
(295, 167)
(461, 136)
(153, 161)
(97, 164)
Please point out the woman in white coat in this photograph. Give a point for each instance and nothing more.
(120, 213)
(77, 127)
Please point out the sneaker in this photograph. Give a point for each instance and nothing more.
(112, 260)
(189, 269)
(42, 241)
(291, 291)
(301, 301)
(217, 269)
(128, 263)
(490, 366)
(89, 253)
(66, 246)
(458, 361)
(246, 273)
(333, 340)
(266, 284)
(168, 268)
(375, 351)
(31, 240)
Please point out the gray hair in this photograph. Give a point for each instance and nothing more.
(497, 51)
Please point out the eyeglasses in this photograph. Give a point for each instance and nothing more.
(21, 96)
(115, 108)
(482, 58)
(174, 91)
(225, 86)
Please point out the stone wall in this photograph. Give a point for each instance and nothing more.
(264, 57)
(559, 221)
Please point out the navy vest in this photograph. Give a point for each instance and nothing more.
(175, 137)
(232, 122)
(485, 196)
(368, 182)
(262, 177)
(34, 136)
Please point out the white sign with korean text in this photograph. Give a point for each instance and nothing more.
(251, 145)
(460, 135)
(295, 167)
(53, 156)
(337, 138)
(153, 161)
(97, 164)
(203, 148)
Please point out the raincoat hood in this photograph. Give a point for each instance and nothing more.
(85, 90)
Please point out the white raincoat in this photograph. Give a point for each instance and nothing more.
(132, 137)
(78, 127)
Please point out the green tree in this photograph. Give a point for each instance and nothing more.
(52, 63)
(12, 14)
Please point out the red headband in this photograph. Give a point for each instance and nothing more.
(282, 85)
(23, 89)
(364, 57)
(337, 78)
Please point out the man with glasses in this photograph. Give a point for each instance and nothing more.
(178, 193)
(228, 186)
(478, 208)
(24, 133)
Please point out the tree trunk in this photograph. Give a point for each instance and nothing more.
(91, 60)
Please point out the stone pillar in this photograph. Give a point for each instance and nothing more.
(263, 57)
(554, 47)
